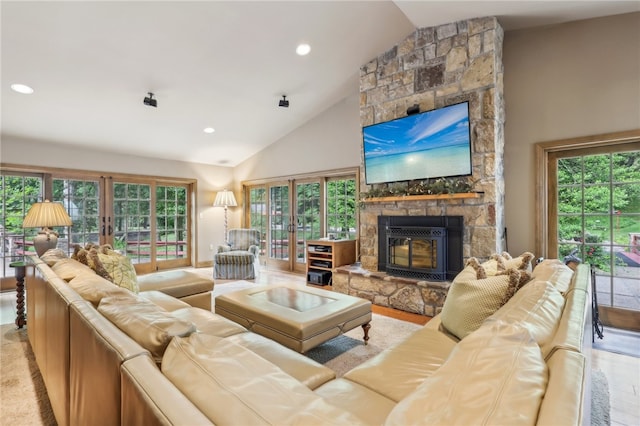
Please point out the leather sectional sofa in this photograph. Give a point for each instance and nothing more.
(110, 356)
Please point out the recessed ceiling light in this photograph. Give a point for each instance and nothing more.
(22, 88)
(303, 49)
(209, 130)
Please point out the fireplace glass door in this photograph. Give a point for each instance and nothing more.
(413, 253)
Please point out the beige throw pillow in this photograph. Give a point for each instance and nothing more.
(470, 302)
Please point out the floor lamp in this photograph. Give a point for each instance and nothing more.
(225, 199)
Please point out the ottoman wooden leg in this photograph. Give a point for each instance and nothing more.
(366, 328)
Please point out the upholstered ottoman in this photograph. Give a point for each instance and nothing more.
(296, 316)
(184, 285)
(234, 265)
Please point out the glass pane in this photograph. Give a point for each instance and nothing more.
(569, 171)
(308, 217)
(258, 214)
(597, 169)
(170, 223)
(81, 198)
(341, 207)
(279, 222)
(597, 199)
(569, 228)
(131, 225)
(570, 199)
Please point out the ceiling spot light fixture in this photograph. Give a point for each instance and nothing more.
(209, 130)
(149, 101)
(303, 49)
(283, 102)
(22, 88)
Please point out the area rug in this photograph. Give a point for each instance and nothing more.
(600, 400)
(23, 396)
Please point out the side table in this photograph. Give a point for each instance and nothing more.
(21, 268)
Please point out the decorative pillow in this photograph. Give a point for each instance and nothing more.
(145, 322)
(517, 278)
(51, 256)
(90, 258)
(470, 302)
(93, 288)
(120, 270)
(67, 269)
(498, 366)
(501, 262)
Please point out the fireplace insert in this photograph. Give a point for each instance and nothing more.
(420, 247)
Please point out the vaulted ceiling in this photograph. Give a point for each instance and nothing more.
(218, 64)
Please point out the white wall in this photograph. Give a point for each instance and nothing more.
(565, 81)
(210, 179)
(332, 140)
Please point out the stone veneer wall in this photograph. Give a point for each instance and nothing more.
(435, 67)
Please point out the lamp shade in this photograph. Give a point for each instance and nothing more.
(225, 198)
(46, 215)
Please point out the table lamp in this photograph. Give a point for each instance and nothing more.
(46, 215)
(225, 199)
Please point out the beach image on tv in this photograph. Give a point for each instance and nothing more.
(427, 145)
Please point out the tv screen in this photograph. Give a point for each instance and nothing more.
(427, 145)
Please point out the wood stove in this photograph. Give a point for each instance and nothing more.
(420, 247)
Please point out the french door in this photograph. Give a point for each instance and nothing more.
(146, 219)
(291, 212)
(593, 210)
(294, 218)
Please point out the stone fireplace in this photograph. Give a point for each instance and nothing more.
(435, 67)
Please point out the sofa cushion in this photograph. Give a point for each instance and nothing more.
(166, 302)
(232, 385)
(176, 283)
(94, 288)
(405, 366)
(209, 323)
(145, 322)
(495, 376)
(120, 269)
(537, 307)
(470, 302)
(554, 271)
(67, 269)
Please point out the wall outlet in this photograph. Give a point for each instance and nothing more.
(210, 247)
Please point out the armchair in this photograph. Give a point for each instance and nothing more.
(237, 259)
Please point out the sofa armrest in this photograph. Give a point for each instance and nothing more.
(223, 249)
(148, 397)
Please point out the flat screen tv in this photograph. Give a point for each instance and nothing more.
(427, 145)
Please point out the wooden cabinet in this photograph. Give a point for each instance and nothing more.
(324, 255)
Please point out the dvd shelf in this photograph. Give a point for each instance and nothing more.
(325, 255)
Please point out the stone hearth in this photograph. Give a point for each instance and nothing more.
(405, 294)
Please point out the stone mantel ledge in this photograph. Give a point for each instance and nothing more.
(406, 294)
